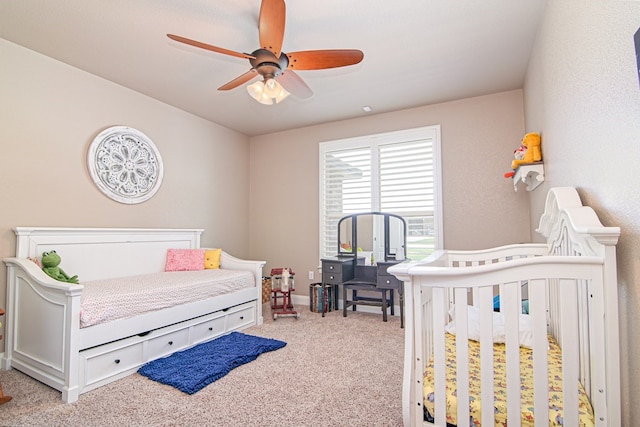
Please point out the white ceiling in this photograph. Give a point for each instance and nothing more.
(416, 52)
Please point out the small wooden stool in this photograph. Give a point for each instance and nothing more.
(3, 398)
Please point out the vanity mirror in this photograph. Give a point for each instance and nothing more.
(373, 236)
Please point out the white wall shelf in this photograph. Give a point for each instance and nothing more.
(531, 174)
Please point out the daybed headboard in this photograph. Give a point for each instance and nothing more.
(99, 253)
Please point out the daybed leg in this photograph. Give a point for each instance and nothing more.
(5, 364)
(70, 395)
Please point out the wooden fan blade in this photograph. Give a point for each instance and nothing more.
(271, 25)
(294, 84)
(321, 59)
(239, 80)
(209, 47)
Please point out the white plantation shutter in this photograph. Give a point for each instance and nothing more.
(396, 173)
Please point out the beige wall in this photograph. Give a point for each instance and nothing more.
(583, 95)
(49, 114)
(478, 139)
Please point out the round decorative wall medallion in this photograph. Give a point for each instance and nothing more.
(125, 165)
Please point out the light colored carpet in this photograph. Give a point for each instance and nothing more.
(334, 371)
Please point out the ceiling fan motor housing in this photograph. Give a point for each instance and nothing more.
(266, 63)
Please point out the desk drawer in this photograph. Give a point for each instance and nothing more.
(332, 278)
(332, 267)
(388, 282)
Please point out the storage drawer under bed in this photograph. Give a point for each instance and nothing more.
(168, 343)
(242, 317)
(99, 365)
(110, 360)
(208, 329)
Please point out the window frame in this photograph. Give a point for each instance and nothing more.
(373, 142)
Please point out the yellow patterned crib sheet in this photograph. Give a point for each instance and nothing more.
(586, 417)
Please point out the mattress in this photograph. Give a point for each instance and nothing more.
(586, 417)
(107, 300)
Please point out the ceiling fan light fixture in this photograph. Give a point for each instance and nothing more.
(268, 92)
(269, 61)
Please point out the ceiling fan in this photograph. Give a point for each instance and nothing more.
(278, 69)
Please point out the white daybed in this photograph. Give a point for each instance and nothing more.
(569, 288)
(44, 337)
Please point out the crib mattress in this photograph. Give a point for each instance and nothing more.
(586, 417)
(107, 300)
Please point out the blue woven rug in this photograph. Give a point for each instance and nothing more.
(195, 368)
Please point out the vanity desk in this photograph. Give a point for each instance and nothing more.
(368, 244)
(335, 271)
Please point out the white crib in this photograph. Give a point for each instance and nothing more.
(569, 288)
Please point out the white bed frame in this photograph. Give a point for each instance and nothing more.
(572, 289)
(43, 334)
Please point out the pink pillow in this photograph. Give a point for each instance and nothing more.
(184, 260)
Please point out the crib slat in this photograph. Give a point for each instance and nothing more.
(485, 301)
(597, 338)
(462, 356)
(554, 309)
(537, 304)
(511, 311)
(439, 373)
(569, 333)
(413, 365)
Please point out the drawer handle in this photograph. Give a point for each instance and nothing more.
(241, 317)
(388, 281)
(331, 267)
(331, 277)
(210, 328)
(170, 342)
(117, 361)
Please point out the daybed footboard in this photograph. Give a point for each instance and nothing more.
(42, 325)
(570, 289)
(230, 262)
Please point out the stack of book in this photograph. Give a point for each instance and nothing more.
(316, 297)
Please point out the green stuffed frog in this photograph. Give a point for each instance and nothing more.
(50, 263)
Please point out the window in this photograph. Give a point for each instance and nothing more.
(396, 172)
